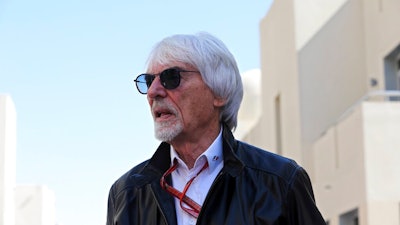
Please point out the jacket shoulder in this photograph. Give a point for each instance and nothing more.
(267, 162)
(132, 178)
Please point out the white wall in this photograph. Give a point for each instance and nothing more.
(357, 165)
(35, 205)
(382, 158)
(339, 182)
(7, 159)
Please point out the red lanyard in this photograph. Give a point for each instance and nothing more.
(194, 208)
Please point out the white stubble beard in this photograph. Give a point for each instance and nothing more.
(167, 130)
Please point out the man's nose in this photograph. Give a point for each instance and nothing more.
(156, 89)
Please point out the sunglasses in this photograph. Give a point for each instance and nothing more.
(170, 79)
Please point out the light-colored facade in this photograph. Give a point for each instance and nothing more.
(7, 159)
(35, 205)
(330, 99)
(19, 205)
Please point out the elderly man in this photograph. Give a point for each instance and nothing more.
(200, 174)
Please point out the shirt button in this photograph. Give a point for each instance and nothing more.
(192, 221)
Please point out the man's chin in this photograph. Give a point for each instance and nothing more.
(166, 133)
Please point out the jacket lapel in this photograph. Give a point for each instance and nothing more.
(166, 203)
(158, 164)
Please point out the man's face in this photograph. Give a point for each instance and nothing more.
(183, 113)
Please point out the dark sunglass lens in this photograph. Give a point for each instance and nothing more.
(143, 82)
(149, 79)
(170, 78)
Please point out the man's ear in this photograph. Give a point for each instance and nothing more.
(219, 102)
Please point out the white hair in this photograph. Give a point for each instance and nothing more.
(214, 61)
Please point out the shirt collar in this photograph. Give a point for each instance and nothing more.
(213, 154)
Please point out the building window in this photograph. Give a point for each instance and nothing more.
(349, 218)
(392, 72)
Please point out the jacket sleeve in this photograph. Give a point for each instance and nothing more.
(110, 208)
(301, 207)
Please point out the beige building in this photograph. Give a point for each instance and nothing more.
(329, 93)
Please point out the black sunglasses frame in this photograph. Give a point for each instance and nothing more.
(170, 79)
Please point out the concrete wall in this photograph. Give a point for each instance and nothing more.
(332, 70)
(35, 205)
(382, 35)
(339, 182)
(250, 109)
(311, 16)
(7, 159)
(357, 165)
(279, 81)
(382, 158)
(318, 73)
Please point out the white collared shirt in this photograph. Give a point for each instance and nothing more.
(201, 185)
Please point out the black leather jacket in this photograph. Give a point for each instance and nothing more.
(254, 187)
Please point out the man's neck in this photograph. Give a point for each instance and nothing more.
(189, 150)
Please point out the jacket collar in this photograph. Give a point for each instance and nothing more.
(232, 164)
(160, 161)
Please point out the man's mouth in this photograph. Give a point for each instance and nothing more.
(163, 114)
(162, 111)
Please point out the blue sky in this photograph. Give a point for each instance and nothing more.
(69, 66)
